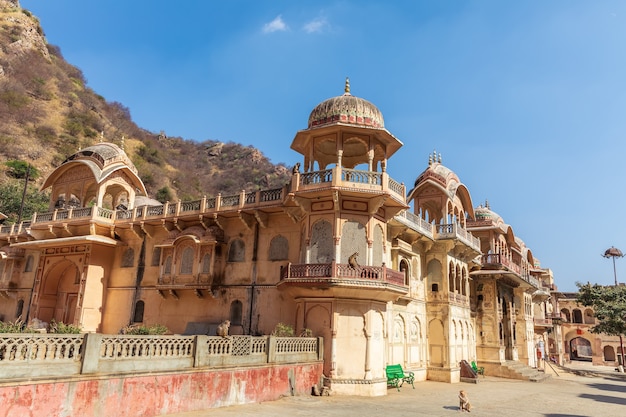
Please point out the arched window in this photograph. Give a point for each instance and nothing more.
(577, 316)
(451, 277)
(435, 275)
(237, 251)
(138, 314)
(29, 263)
(565, 315)
(236, 309)
(206, 263)
(279, 249)
(404, 268)
(186, 261)
(589, 317)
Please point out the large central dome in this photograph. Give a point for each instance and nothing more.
(346, 109)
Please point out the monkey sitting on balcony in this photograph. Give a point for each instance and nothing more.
(222, 329)
(352, 260)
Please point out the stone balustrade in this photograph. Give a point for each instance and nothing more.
(338, 271)
(27, 356)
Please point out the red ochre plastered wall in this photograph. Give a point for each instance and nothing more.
(153, 395)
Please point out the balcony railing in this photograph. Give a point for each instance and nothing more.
(416, 223)
(499, 261)
(205, 205)
(345, 177)
(334, 270)
(455, 231)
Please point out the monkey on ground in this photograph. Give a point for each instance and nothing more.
(464, 404)
(222, 329)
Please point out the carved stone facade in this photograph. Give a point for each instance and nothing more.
(419, 278)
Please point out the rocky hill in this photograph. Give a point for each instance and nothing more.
(47, 112)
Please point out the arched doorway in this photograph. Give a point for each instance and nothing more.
(58, 297)
(580, 349)
(609, 354)
(436, 342)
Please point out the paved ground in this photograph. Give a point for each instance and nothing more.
(582, 391)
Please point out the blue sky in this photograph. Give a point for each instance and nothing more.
(524, 100)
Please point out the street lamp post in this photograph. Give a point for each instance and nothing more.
(613, 252)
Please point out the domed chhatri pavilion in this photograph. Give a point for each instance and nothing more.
(419, 278)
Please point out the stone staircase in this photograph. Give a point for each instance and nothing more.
(517, 370)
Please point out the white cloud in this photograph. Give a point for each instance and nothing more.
(275, 25)
(316, 25)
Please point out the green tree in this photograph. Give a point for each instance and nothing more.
(18, 169)
(11, 199)
(609, 306)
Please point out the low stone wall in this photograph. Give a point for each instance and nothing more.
(29, 356)
(97, 375)
(157, 394)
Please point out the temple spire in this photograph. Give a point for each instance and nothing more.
(346, 89)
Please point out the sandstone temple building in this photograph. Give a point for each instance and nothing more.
(387, 273)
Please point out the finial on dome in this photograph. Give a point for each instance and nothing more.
(430, 159)
(487, 204)
(439, 160)
(346, 89)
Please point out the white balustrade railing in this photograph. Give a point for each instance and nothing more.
(47, 355)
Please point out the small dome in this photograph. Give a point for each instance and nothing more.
(104, 154)
(485, 213)
(438, 172)
(346, 109)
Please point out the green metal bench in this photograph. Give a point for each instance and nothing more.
(396, 376)
(480, 370)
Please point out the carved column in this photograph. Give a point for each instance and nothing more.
(333, 354)
(368, 349)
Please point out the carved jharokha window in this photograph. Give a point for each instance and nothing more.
(186, 261)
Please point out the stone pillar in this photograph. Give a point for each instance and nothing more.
(368, 350)
(91, 354)
(333, 354)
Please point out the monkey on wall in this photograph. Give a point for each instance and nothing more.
(222, 329)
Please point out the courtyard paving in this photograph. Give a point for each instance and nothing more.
(581, 390)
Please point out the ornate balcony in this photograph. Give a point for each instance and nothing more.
(455, 231)
(497, 263)
(365, 282)
(364, 181)
(60, 222)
